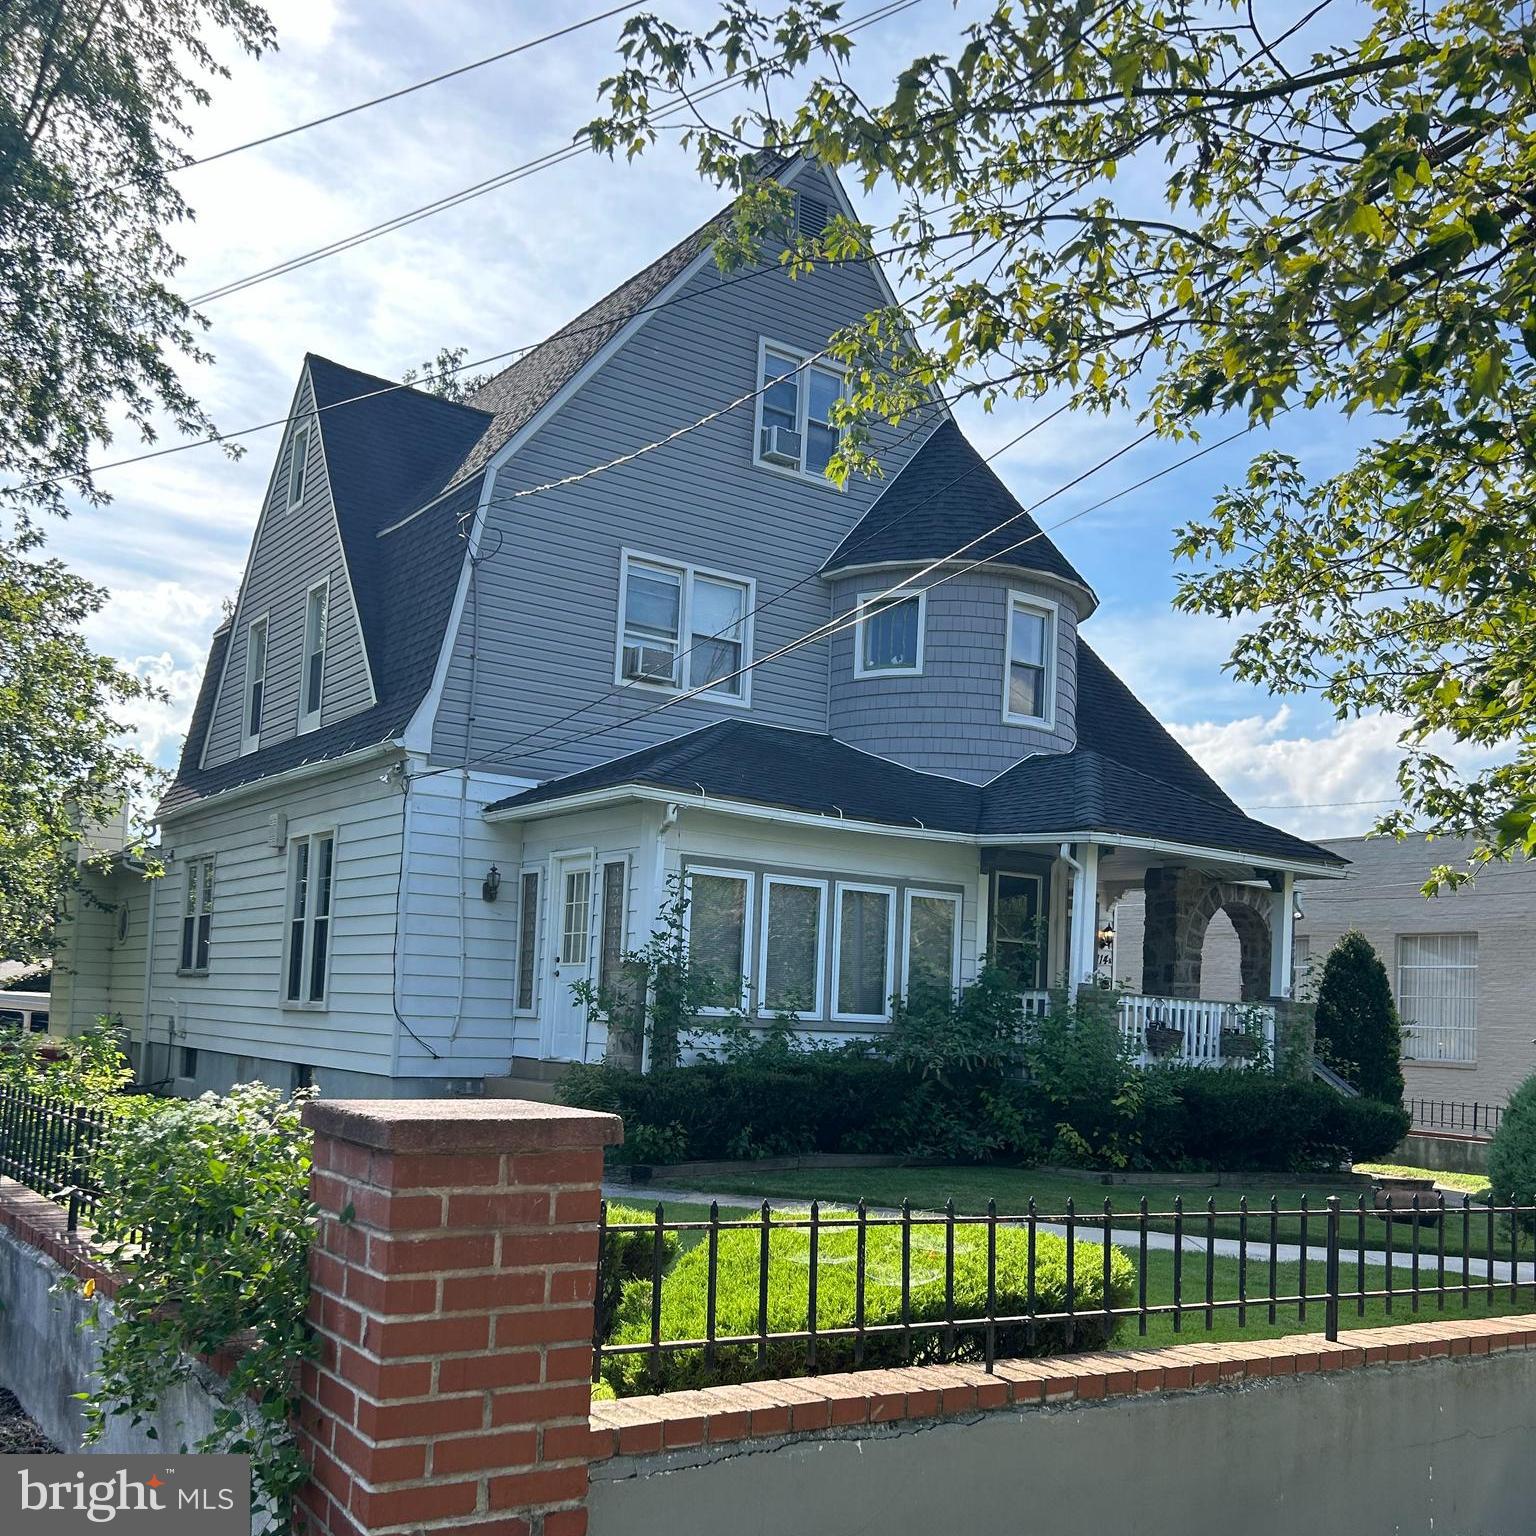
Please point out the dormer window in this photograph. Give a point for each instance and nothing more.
(795, 434)
(255, 684)
(1030, 685)
(888, 639)
(683, 627)
(312, 683)
(298, 466)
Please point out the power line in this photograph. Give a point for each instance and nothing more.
(1323, 805)
(406, 90)
(580, 146)
(785, 592)
(858, 612)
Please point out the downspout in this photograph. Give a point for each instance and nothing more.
(1079, 887)
(668, 820)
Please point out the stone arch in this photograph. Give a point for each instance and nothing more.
(1180, 906)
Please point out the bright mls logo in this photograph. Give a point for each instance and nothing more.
(164, 1495)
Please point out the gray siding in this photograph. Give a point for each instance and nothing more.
(293, 549)
(950, 719)
(548, 588)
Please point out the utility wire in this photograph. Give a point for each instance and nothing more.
(858, 612)
(406, 90)
(580, 146)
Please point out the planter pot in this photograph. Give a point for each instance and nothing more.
(1164, 1040)
(1238, 1046)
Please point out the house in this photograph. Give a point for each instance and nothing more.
(496, 677)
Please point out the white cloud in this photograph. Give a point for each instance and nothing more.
(1331, 783)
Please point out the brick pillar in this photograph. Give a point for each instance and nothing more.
(453, 1280)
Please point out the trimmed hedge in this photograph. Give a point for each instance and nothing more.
(826, 1101)
(1512, 1152)
(684, 1292)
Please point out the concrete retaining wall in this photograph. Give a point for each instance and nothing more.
(1447, 1154)
(1441, 1445)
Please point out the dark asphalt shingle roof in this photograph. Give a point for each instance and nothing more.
(404, 583)
(945, 497)
(1052, 793)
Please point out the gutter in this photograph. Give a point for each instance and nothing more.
(310, 770)
(628, 793)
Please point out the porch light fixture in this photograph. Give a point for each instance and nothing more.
(490, 887)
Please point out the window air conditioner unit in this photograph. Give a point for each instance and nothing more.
(780, 446)
(649, 664)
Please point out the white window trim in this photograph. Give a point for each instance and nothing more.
(195, 863)
(1414, 1026)
(301, 1004)
(955, 900)
(687, 572)
(310, 719)
(250, 741)
(765, 345)
(531, 1010)
(298, 466)
(748, 879)
(764, 1011)
(859, 669)
(888, 891)
(1052, 613)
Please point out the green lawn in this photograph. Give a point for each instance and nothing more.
(970, 1187)
(1474, 1184)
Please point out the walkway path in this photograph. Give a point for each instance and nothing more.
(1129, 1237)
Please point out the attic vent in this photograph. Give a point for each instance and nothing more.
(812, 214)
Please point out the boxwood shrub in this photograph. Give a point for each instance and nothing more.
(685, 1290)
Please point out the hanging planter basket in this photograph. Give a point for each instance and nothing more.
(1164, 1040)
(1238, 1045)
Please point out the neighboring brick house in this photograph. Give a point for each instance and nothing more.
(1457, 961)
(501, 671)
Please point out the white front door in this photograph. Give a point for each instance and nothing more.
(570, 923)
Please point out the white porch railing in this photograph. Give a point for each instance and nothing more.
(1201, 1023)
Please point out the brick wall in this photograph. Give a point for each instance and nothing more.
(453, 1287)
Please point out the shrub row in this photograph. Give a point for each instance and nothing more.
(685, 1289)
(839, 1102)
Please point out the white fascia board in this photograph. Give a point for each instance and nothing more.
(417, 736)
(346, 569)
(312, 770)
(936, 567)
(1159, 845)
(618, 794)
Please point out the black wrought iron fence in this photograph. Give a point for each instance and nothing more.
(47, 1144)
(797, 1292)
(1458, 1116)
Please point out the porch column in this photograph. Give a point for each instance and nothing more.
(1282, 903)
(1082, 944)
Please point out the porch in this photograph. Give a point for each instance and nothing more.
(1051, 922)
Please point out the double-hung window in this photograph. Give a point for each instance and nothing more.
(888, 639)
(932, 952)
(719, 919)
(311, 877)
(862, 951)
(683, 627)
(1437, 995)
(298, 466)
(795, 406)
(312, 682)
(1030, 684)
(255, 684)
(196, 917)
(793, 946)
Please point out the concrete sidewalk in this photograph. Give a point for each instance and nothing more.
(1090, 1229)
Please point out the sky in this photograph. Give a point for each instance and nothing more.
(505, 269)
